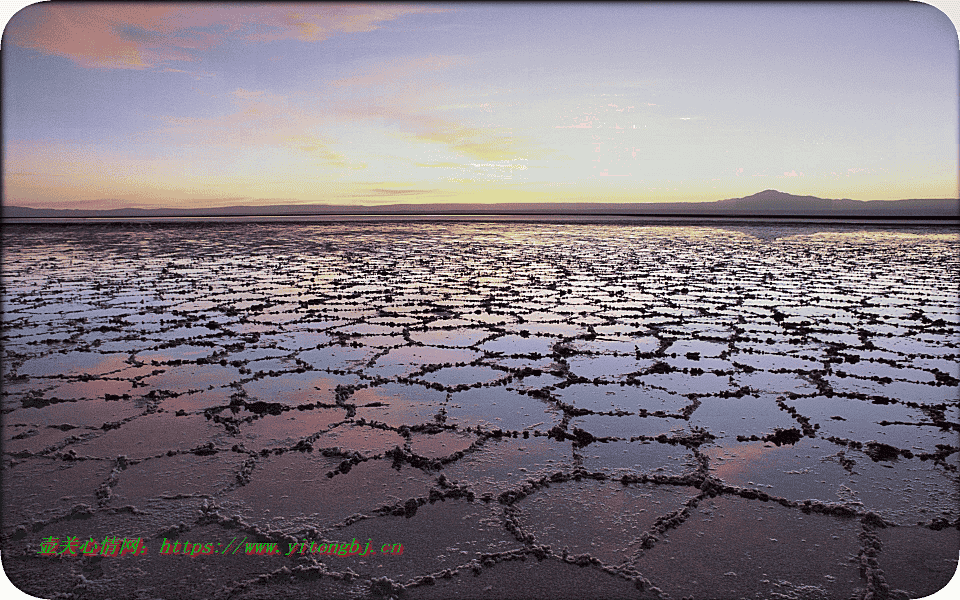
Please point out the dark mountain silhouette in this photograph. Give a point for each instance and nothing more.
(772, 202)
(768, 203)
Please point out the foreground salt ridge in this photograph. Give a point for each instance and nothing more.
(307, 371)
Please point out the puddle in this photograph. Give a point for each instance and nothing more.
(409, 360)
(500, 408)
(544, 364)
(85, 390)
(39, 488)
(806, 470)
(774, 383)
(287, 428)
(36, 439)
(152, 435)
(73, 363)
(190, 377)
(503, 464)
(448, 323)
(293, 341)
(903, 491)
(397, 404)
(772, 362)
(681, 383)
(851, 419)
(338, 358)
(607, 368)
(293, 389)
(294, 487)
(627, 426)
(746, 416)
(512, 345)
(383, 341)
(81, 413)
(750, 549)
(439, 445)
(638, 458)
(175, 476)
(602, 346)
(368, 441)
(535, 382)
(369, 330)
(604, 519)
(632, 399)
(619, 329)
(199, 401)
(441, 535)
(456, 338)
(918, 561)
(454, 376)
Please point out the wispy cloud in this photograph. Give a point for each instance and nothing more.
(440, 165)
(246, 94)
(397, 71)
(400, 90)
(263, 118)
(146, 35)
(319, 148)
(258, 118)
(388, 192)
(395, 94)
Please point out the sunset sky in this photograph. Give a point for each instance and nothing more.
(201, 105)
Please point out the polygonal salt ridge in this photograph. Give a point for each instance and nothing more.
(80, 515)
(582, 397)
(461, 377)
(607, 504)
(405, 363)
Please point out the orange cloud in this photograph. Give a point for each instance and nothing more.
(145, 35)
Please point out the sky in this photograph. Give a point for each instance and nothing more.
(216, 104)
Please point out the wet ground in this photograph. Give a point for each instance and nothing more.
(531, 410)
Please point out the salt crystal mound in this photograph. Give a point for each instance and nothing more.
(532, 409)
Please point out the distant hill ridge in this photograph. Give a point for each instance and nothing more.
(765, 203)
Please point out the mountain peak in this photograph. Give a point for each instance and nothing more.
(773, 195)
(776, 200)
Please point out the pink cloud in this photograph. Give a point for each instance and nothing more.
(791, 174)
(144, 35)
(259, 119)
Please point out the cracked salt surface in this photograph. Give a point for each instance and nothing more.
(533, 410)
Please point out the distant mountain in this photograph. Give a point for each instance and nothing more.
(772, 202)
(768, 203)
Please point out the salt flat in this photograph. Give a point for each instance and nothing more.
(562, 407)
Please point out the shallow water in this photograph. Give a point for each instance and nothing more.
(602, 403)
